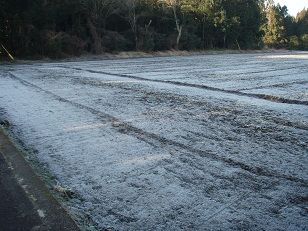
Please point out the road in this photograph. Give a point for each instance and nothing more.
(25, 201)
(212, 142)
(16, 211)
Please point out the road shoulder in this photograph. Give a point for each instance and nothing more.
(25, 201)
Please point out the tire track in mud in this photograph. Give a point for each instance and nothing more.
(128, 129)
(271, 98)
(264, 70)
(163, 96)
(274, 85)
(207, 69)
(270, 70)
(241, 78)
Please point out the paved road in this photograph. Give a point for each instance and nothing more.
(16, 210)
(25, 202)
(176, 143)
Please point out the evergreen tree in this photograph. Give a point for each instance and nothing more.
(274, 28)
(56, 28)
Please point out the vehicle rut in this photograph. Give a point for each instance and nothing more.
(205, 87)
(128, 129)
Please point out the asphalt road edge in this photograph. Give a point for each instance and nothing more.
(53, 216)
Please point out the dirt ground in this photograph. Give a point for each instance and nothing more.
(205, 142)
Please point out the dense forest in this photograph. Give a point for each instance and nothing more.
(59, 28)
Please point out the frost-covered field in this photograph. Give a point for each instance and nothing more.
(215, 142)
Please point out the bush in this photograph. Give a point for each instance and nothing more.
(294, 42)
(114, 41)
(304, 41)
(190, 41)
(161, 42)
(146, 40)
(62, 44)
(71, 44)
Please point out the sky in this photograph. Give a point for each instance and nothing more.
(294, 6)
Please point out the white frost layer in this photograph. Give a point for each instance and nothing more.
(180, 161)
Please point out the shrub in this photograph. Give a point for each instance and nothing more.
(304, 41)
(114, 41)
(294, 42)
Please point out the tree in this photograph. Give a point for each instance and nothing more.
(177, 7)
(56, 28)
(274, 28)
(97, 13)
(302, 22)
(131, 16)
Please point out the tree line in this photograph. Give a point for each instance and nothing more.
(58, 28)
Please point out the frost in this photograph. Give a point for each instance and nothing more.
(176, 143)
(41, 213)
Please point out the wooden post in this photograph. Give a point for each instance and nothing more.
(8, 53)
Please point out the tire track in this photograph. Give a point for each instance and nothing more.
(181, 99)
(241, 78)
(271, 98)
(274, 85)
(128, 129)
